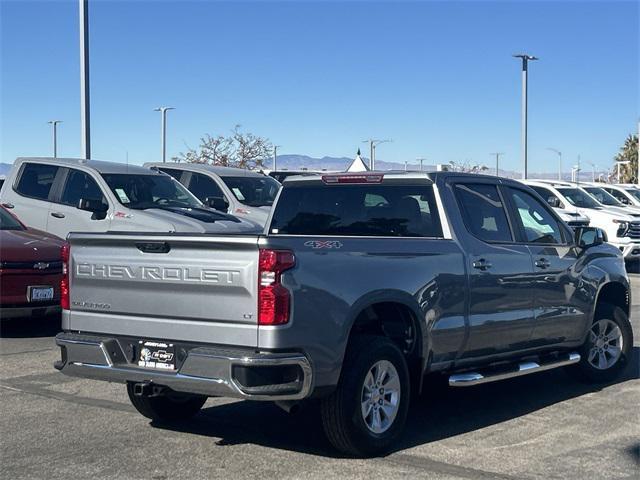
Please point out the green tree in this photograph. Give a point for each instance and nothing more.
(628, 152)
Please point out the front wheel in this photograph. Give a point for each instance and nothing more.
(170, 407)
(368, 410)
(607, 350)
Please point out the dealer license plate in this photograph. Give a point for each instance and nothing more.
(158, 355)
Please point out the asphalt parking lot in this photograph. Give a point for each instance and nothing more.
(541, 426)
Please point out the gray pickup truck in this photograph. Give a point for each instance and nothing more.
(360, 285)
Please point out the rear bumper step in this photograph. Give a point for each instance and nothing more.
(205, 371)
(468, 379)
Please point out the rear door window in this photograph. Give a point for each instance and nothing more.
(483, 212)
(36, 180)
(203, 186)
(357, 210)
(80, 185)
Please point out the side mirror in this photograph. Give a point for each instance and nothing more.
(217, 203)
(97, 207)
(554, 202)
(587, 237)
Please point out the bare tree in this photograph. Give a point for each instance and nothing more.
(250, 151)
(240, 149)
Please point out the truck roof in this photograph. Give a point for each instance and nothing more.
(430, 176)
(203, 167)
(97, 165)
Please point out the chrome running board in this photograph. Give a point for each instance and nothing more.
(468, 379)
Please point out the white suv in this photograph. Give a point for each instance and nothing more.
(65, 195)
(623, 230)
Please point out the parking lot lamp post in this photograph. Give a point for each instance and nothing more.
(525, 67)
(85, 123)
(163, 130)
(497, 154)
(420, 160)
(621, 162)
(54, 125)
(275, 156)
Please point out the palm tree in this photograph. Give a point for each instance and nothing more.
(628, 152)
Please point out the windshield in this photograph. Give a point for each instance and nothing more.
(7, 222)
(634, 192)
(602, 196)
(149, 191)
(578, 198)
(253, 191)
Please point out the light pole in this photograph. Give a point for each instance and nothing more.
(575, 174)
(497, 154)
(559, 153)
(420, 159)
(593, 172)
(621, 162)
(373, 143)
(85, 123)
(275, 156)
(54, 125)
(525, 67)
(163, 130)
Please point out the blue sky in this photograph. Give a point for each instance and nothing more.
(319, 77)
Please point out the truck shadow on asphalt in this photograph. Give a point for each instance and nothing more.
(439, 413)
(34, 327)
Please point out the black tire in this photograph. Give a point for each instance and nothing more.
(171, 407)
(341, 413)
(588, 373)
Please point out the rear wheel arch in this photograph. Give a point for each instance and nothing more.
(398, 320)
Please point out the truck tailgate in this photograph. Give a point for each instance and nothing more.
(168, 286)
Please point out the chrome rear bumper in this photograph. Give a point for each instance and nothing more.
(205, 371)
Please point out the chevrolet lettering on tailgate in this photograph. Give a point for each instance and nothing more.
(158, 273)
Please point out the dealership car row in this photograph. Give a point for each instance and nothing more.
(43, 199)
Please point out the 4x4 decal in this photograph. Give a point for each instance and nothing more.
(323, 244)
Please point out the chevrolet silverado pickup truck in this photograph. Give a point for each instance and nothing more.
(359, 286)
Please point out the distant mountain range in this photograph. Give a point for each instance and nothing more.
(299, 162)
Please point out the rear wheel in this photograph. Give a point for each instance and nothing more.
(608, 347)
(170, 407)
(368, 409)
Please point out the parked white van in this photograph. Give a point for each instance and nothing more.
(240, 192)
(62, 195)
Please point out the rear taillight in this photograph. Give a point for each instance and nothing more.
(273, 298)
(64, 282)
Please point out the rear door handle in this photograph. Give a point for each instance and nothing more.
(482, 264)
(57, 214)
(8, 205)
(542, 263)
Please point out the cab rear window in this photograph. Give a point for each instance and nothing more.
(357, 210)
(36, 180)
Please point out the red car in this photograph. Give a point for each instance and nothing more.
(30, 269)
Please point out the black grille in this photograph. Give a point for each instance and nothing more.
(634, 230)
